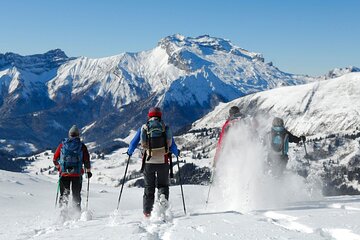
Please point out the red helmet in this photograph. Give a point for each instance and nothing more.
(154, 112)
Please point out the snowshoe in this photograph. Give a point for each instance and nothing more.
(164, 205)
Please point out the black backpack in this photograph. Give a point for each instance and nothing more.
(156, 135)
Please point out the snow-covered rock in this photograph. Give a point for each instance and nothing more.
(338, 72)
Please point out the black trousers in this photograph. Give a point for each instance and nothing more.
(155, 175)
(76, 185)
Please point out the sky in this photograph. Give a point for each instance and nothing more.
(305, 37)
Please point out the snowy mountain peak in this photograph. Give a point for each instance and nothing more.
(202, 46)
(37, 63)
(202, 41)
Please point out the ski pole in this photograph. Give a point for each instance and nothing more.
(123, 182)
(57, 192)
(305, 147)
(211, 181)
(306, 154)
(87, 194)
(180, 180)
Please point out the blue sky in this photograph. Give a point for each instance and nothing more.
(307, 36)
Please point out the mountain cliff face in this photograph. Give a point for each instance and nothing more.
(41, 96)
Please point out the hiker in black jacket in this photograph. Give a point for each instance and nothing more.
(279, 139)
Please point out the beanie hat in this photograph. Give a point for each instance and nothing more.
(154, 112)
(278, 122)
(234, 110)
(74, 131)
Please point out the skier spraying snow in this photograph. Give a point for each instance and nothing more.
(156, 138)
(279, 139)
(69, 158)
(234, 117)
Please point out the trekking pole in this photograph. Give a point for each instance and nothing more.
(57, 192)
(87, 194)
(123, 182)
(306, 154)
(180, 180)
(305, 147)
(211, 181)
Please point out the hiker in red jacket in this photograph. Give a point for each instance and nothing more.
(234, 116)
(69, 158)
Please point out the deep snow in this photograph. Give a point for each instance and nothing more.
(245, 202)
(27, 212)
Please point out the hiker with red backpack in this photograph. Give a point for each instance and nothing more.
(157, 140)
(69, 158)
(279, 139)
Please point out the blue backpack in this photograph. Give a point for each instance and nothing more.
(279, 140)
(71, 156)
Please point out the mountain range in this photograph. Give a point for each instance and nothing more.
(326, 112)
(43, 95)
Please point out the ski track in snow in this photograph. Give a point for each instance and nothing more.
(312, 93)
(289, 222)
(33, 217)
(157, 230)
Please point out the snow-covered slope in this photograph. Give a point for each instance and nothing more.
(27, 212)
(245, 202)
(319, 108)
(186, 76)
(327, 112)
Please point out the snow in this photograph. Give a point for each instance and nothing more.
(27, 209)
(86, 128)
(129, 77)
(242, 204)
(21, 147)
(245, 202)
(337, 72)
(116, 75)
(318, 108)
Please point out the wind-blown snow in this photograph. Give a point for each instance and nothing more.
(243, 180)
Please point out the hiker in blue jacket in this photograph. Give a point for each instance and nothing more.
(157, 140)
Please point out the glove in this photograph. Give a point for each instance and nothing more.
(89, 174)
(57, 166)
(129, 154)
(303, 138)
(178, 153)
